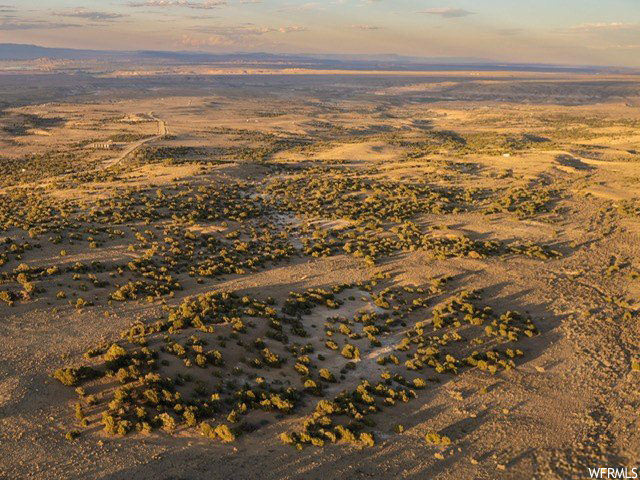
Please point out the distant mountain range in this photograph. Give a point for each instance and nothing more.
(10, 51)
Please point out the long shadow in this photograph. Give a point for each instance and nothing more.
(573, 162)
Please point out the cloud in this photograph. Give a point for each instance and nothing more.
(238, 35)
(201, 16)
(616, 47)
(366, 27)
(204, 5)
(303, 7)
(448, 12)
(90, 15)
(627, 47)
(292, 29)
(596, 27)
(8, 24)
(248, 30)
(509, 32)
(210, 41)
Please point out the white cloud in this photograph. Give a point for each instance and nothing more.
(292, 29)
(366, 27)
(210, 41)
(8, 24)
(90, 15)
(594, 27)
(509, 32)
(248, 30)
(448, 12)
(302, 7)
(204, 5)
(238, 35)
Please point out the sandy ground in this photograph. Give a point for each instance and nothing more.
(571, 403)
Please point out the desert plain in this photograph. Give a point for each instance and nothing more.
(319, 276)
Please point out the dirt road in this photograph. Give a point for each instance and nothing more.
(162, 132)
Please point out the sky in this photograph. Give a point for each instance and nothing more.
(574, 32)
